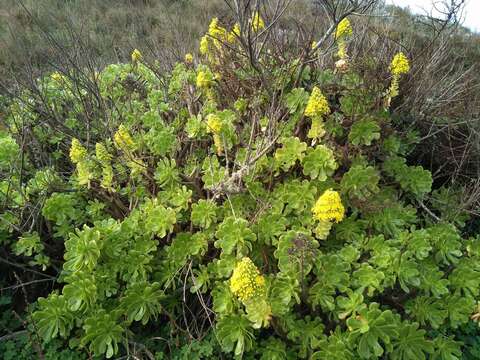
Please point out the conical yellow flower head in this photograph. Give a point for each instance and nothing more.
(77, 152)
(188, 58)
(123, 140)
(136, 55)
(56, 76)
(329, 207)
(344, 29)
(204, 79)
(399, 64)
(317, 105)
(101, 153)
(257, 22)
(216, 31)
(246, 282)
(214, 124)
(204, 45)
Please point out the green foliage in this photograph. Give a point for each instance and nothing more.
(364, 131)
(319, 163)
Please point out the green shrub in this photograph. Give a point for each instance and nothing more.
(244, 203)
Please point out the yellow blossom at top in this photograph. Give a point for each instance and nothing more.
(246, 282)
(329, 207)
(56, 76)
(216, 31)
(204, 45)
(204, 79)
(399, 64)
(77, 152)
(102, 154)
(344, 29)
(123, 140)
(257, 22)
(317, 105)
(214, 124)
(136, 55)
(188, 58)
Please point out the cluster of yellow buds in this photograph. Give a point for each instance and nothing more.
(77, 152)
(344, 30)
(78, 156)
(136, 56)
(329, 207)
(216, 35)
(246, 282)
(205, 79)
(214, 126)
(56, 76)
(123, 139)
(188, 58)
(104, 157)
(317, 107)
(398, 66)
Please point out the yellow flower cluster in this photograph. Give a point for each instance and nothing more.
(344, 29)
(257, 22)
(204, 49)
(136, 56)
(78, 155)
(188, 58)
(246, 282)
(214, 126)
(329, 207)
(399, 64)
(77, 152)
(317, 105)
(102, 153)
(204, 79)
(56, 76)
(217, 32)
(123, 140)
(104, 157)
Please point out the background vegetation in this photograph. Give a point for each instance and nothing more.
(434, 119)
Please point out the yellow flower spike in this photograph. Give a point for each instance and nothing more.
(317, 105)
(136, 56)
(399, 64)
(77, 152)
(84, 175)
(246, 282)
(217, 32)
(204, 45)
(257, 22)
(123, 139)
(56, 76)
(344, 29)
(101, 153)
(188, 58)
(214, 124)
(204, 80)
(329, 207)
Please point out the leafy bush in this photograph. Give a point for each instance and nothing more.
(246, 203)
